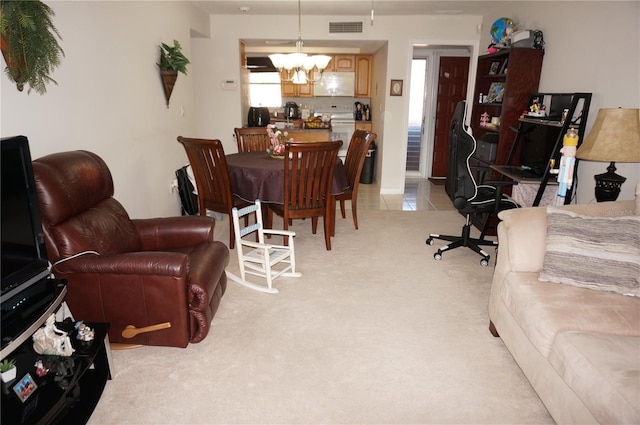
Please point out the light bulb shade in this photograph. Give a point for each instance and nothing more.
(322, 61)
(277, 59)
(614, 137)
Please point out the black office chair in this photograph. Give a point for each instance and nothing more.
(467, 196)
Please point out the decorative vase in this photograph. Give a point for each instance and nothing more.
(168, 81)
(9, 375)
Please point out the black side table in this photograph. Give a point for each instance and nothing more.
(70, 391)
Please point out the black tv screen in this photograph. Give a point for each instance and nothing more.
(24, 258)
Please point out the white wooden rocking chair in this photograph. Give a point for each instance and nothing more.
(257, 258)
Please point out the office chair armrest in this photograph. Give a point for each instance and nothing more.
(499, 185)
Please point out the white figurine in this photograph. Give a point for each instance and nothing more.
(52, 341)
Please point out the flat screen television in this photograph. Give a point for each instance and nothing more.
(27, 290)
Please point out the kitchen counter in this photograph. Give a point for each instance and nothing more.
(310, 135)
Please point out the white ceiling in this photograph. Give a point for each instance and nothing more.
(359, 9)
(351, 7)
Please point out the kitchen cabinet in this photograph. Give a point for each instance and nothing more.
(363, 76)
(344, 63)
(506, 78)
(288, 89)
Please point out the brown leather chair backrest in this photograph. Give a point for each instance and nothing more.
(252, 139)
(79, 213)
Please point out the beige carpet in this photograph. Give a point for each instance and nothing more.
(375, 331)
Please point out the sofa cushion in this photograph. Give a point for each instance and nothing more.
(588, 251)
(544, 309)
(603, 371)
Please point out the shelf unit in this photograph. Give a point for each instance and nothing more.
(570, 110)
(517, 70)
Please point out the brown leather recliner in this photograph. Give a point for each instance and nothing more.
(142, 272)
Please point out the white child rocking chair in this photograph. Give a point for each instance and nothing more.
(257, 258)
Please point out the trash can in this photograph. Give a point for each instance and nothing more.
(369, 166)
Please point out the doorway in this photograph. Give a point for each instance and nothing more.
(439, 79)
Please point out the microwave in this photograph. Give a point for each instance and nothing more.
(336, 84)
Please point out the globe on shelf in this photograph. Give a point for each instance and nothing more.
(499, 29)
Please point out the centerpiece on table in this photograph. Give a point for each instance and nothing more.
(278, 140)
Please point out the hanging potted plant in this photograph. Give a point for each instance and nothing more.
(171, 62)
(8, 370)
(28, 40)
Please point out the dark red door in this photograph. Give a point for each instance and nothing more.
(452, 88)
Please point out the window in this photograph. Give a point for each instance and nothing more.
(264, 89)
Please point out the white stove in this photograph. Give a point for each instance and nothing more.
(342, 123)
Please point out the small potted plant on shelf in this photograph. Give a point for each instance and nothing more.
(172, 61)
(8, 370)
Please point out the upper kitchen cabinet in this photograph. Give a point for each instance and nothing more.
(342, 63)
(363, 76)
(288, 89)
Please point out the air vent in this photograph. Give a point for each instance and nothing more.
(345, 27)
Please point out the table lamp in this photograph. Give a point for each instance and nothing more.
(614, 137)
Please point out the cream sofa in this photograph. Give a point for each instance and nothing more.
(579, 348)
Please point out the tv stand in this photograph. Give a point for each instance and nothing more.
(47, 294)
(70, 391)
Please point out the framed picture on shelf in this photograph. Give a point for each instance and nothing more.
(503, 68)
(25, 387)
(496, 92)
(494, 67)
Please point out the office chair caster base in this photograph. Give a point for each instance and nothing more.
(429, 241)
(437, 256)
(485, 261)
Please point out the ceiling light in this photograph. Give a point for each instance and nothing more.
(298, 66)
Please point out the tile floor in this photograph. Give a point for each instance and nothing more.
(419, 194)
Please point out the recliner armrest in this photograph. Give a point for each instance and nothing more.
(157, 234)
(158, 263)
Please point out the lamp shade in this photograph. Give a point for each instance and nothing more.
(614, 137)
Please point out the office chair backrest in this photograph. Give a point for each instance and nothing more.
(460, 185)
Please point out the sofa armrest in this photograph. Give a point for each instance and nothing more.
(525, 229)
(157, 234)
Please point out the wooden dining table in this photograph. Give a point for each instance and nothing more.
(256, 175)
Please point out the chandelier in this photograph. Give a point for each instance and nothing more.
(298, 66)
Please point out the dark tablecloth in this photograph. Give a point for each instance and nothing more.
(255, 175)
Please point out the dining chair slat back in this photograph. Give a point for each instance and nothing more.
(252, 139)
(211, 173)
(308, 171)
(354, 162)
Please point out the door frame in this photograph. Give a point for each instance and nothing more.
(431, 83)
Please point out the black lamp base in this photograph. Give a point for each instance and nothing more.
(608, 184)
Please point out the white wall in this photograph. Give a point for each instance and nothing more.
(110, 99)
(582, 54)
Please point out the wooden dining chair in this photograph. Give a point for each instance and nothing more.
(308, 176)
(252, 139)
(356, 154)
(211, 173)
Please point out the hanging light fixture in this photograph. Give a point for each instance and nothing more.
(298, 66)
